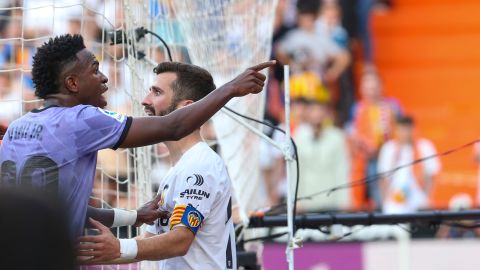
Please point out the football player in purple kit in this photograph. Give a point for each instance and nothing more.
(55, 148)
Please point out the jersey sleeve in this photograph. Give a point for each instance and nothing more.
(151, 229)
(193, 198)
(97, 129)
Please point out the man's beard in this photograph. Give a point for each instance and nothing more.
(170, 109)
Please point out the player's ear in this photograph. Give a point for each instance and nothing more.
(184, 103)
(71, 83)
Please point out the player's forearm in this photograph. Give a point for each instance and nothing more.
(112, 217)
(114, 261)
(168, 245)
(104, 216)
(179, 123)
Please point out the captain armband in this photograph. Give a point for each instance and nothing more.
(188, 216)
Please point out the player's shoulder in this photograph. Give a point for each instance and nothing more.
(89, 111)
(58, 111)
(205, 156)
(203, 161)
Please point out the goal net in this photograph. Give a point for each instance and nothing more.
(223, 36)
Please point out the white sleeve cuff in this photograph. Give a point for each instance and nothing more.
(128, 248)
(124, 217)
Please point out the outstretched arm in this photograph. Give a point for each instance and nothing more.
(147, 213)
(178, 124)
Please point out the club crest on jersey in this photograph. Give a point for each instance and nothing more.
(196, 180)
(194, 219)
(114, 115)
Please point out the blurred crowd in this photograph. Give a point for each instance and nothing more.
(346, 130)
(348, 133)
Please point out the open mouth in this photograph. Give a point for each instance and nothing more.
(103, 99)
(105, 88)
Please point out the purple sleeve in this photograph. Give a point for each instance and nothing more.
(97, 129)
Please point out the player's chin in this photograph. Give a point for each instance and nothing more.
(102, 102)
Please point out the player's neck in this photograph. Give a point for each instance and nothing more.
(178, 148)
(60, 99)
(51, 102)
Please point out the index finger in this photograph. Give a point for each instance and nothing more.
(263, 65)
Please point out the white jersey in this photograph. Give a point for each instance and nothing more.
(197, 193)
(404, 195)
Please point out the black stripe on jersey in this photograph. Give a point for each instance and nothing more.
(229, 210)
(229, 262)
(124, 133)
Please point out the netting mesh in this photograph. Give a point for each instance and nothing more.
(227, 37)
(223, 36)
(25, 25)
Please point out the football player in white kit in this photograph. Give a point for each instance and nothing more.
(199, 234)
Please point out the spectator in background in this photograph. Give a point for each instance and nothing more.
(408, 189)
(356, 20)
(324, 160)
(272, 161)
(307, 51)
(329, 23)
(274, 112)
(372, 125)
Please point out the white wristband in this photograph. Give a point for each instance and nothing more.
(124, 217)
(128, 248)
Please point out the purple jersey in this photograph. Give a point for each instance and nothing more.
(55, 150)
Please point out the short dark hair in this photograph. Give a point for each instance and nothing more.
(308, 7)
(405, 120)
(50, 59)
(193, 82)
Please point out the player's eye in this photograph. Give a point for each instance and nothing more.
(156, 92)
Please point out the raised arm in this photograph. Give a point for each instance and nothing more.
(178, 124)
